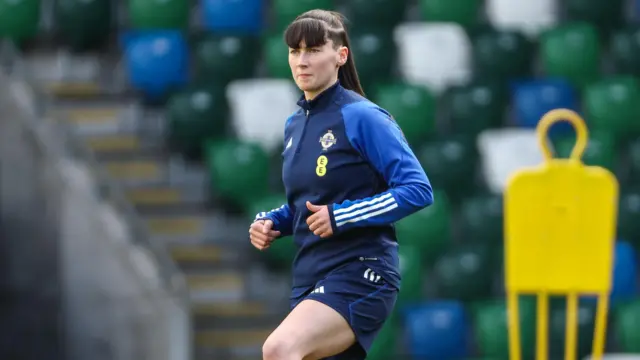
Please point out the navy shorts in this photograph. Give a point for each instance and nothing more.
(361, 296)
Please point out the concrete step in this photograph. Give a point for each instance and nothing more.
(196, 258)
(216, 287)
(235, 343)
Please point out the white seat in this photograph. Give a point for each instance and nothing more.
(504, 151)
(259, 109)
(531, 17)
(435, 55)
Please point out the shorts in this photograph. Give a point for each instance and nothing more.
(361, 296)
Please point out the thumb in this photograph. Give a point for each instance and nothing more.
(268, 224)
(313, 208)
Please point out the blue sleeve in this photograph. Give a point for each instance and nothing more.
(282, 218)
(378, 138)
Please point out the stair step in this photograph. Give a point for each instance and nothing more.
(184, 226)
(116, 143)
(231, 310)
(75, 89)
(152, 171)
(205, 257)
(216, 287)
(252, 338)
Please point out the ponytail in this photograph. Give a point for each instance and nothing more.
(347, 74)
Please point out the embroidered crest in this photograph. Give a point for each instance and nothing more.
(327, 140)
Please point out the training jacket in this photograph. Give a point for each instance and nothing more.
(343, 151)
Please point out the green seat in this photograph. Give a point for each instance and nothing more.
(601, 149)
(613, 104)
(283, 250)
(465, 272)
(603, 14)
(83, 24)
(481, 219)
(463, 12)
(451, 164)
(374, 53)
(427, 230)
(627, 318)
(285, 11)
(500, 55)
(159, 14)
(634, 161)
(571, 51)
(380, 14)
(411, 272)
(625, 50)
(558, 325)
(237, 170)
(476, 107)
(19, 20)
(226, 58)
(628, 216)
(276, 57)
(195, 115)
(490, 327)
(412, 106)
(384, 345)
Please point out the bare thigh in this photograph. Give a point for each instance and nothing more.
(312, 331)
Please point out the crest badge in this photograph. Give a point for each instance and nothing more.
(327, 140)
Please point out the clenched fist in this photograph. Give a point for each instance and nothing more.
(261, 234)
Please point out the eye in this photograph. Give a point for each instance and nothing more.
(293, 51)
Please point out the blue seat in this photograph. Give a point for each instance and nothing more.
(624, 272)
(157, 61)
(238, 16)
(437, 330)
(533, 98)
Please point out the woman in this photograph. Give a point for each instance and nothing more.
(349, 175)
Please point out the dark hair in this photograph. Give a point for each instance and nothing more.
(315, 28)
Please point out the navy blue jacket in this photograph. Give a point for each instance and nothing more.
(344, 151)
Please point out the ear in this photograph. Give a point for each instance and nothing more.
(343, 55)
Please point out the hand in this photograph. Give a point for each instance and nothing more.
(261, 234)
(319, 222)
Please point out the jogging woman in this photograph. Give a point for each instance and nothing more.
(349, 174)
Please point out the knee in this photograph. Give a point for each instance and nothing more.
(278, 348)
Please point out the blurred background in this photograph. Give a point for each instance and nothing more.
(138, 139)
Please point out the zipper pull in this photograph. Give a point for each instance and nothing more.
(307, 113)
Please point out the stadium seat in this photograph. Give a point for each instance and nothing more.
(379, 14)
(157, 62)
(475, 107)
(222, 58)
(83, 24)
(412, 272)
(19, 20)
(436, 55)
(604, 14)
(633, 151)
(464, 12)
(412, 106)
(529, 16)
(437, 330)
(233, 16)
(613, 104)
(504, 151)
(450, 163)
(572, 51)
(195, 115)
(384, 346)
(374, 53)
(628, 215)
(237, 170)
(502, 55)
(490, 327)
(531, 99)
(481, 219)
(285, 11)
(625, 284)
(282, 251)
(626, 320)
(430, 240)
(274, 100)
(625, 50)
(601, 149)
(465, 272)
(558, 325)
(276, 57)
(159, 15)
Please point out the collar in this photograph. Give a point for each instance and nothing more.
(322, 100)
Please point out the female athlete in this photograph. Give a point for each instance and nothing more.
(349, 174)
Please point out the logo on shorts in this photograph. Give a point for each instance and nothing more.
(371, 276)
(319, 290)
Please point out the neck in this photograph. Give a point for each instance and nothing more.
(310, 95)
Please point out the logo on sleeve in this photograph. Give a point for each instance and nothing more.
(327, 140)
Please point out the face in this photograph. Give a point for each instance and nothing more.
(315, 69)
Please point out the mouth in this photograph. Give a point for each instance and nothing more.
(304, 75)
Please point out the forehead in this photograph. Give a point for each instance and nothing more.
(303, 45)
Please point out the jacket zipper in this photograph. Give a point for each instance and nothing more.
(304, 130)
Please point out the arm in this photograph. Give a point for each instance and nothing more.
(281, 217)
(380, 141)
